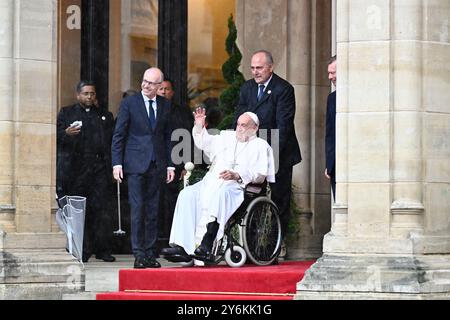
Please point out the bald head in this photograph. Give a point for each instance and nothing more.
(151, 82)
(262, 66)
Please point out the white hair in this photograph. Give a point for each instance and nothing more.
(253, 116)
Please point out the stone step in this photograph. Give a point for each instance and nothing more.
(39, 274)
(80, 296)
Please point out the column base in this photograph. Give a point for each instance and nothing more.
(377, 276)
(36, 266)
(39, 274)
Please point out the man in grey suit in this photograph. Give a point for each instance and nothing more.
(273, 100)
(141, 149)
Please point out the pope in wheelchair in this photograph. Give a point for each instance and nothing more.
(204, 210)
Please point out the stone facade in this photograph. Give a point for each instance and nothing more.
(390, 225)
(392, 214)
(33, 262)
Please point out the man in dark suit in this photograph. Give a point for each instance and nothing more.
(141, 149)
(330, 135)
(84, 166)
(273, 100)
(180, 118)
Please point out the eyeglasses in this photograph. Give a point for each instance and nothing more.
(151, 83)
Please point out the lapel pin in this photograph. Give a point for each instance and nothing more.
(269, 92)
(103, 118)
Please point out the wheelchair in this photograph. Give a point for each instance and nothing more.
(253, 232)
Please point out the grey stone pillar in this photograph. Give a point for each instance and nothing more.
(390, 237)
(6, 115)
(33, 261)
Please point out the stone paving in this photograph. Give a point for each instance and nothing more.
(104, 277)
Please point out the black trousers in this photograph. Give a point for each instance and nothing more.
(167, 201)
(93, 181)
(143, 196)
(281, 195)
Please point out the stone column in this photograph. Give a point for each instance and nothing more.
(393, 124)
(34, 113)
(298, 33)
(6, 115)
(33, 261)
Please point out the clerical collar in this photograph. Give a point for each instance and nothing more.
(85, 108)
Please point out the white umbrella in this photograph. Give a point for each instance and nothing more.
(70, 218)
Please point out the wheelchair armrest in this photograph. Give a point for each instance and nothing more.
(254, 189)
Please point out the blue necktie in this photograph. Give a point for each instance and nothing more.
(151, 113)
(152, 119)
(261, 91)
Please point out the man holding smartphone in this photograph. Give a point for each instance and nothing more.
(84, 133)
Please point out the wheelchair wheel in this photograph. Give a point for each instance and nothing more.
(235, 257)
(261, 231)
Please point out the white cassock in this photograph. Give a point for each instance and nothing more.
(213, 198)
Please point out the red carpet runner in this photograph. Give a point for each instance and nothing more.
(249, 282)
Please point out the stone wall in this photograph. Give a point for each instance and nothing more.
(391, 232)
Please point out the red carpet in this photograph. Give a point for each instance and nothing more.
(249, 282)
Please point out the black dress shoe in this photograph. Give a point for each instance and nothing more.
(105, 257)
(202, 254)
(86, 257)
(140, 263)
(175, 254)
(152, 263)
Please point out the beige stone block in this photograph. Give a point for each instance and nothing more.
(6, 194)
(342, 23)
(436, 147)
(33, 209)
(299, 42)
(369, 146)
(6, 89)
(6, 153)
(407, 20)
(342, 73)
(407, 75)
(368, 210)
(436, 79)
(266, 29)
(342, 150)
(412, 191)
(369, 71)
(36, 34)
(35, 91)
(341, 193)
(436, 19)
(369, 20)
(437, 208)
(407, 146)
(6, 28)
(34, 154)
